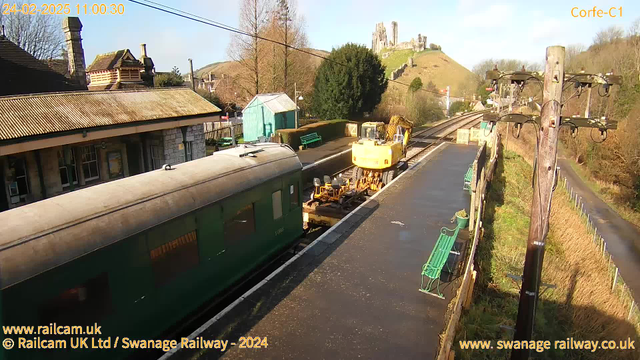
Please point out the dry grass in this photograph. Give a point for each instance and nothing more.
(582, 306)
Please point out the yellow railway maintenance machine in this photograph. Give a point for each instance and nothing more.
(379, 151)
(330, 201)
(376, 156)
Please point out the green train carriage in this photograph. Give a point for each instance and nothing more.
(139, 254)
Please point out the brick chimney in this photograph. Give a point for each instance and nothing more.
(148, 72)
(72, 28)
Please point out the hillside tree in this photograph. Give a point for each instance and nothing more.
(416, 84)
(349, 83)
(39, 35)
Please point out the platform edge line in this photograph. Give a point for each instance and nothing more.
(325, 159)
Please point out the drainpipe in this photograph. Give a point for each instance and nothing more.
(184, 142)
(43, 189)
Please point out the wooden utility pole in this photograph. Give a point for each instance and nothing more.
(544, 177)
(193, 79)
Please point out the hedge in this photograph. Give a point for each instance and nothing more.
(328, 130)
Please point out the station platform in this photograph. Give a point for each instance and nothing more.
(354, 293)
(326, 149)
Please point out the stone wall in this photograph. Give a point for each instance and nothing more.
(173, 147)
(398, 72)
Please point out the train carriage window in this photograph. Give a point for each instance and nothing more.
(175, 257)
(242, 224)
(293, 196)
(276, 200)
(82, 305)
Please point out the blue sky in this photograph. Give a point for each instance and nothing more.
(468, 30)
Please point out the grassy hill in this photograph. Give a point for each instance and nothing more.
(430, 65)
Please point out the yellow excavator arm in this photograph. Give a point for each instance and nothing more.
(392, 129)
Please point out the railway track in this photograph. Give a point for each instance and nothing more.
(422, 141)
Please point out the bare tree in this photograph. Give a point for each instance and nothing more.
(286, 27)
(482, 67)
(244, 49)
(608, 35)
(571, 57)
(634, 42)
(39, 35)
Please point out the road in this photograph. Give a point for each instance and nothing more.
(622, 237)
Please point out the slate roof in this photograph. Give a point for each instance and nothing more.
(21, 73)
(39, 114)
(276, 102)
(114, 60)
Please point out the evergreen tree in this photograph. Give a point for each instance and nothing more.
(349, 83)
(416, 84)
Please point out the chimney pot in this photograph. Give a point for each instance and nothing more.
(72, 28)
(143, 50)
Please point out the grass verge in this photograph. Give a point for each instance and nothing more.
(582, 306)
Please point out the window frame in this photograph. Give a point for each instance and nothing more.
(91, 297)
(276, 195)
(226, 227)
(184, 247)
(14, 184)
(74, 164)
(294, 193)
(83, 153)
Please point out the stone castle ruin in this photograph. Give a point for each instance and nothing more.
(380, 41)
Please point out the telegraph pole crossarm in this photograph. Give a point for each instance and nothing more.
(581, 80)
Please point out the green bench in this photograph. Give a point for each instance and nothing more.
(225, 141)
(467, 179)
(310, 139)
(438, 258)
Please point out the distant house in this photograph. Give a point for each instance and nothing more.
(266, 113)
(121, 70)
(207, 83)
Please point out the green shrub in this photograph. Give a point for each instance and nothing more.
(459, 106)
(422, 108)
